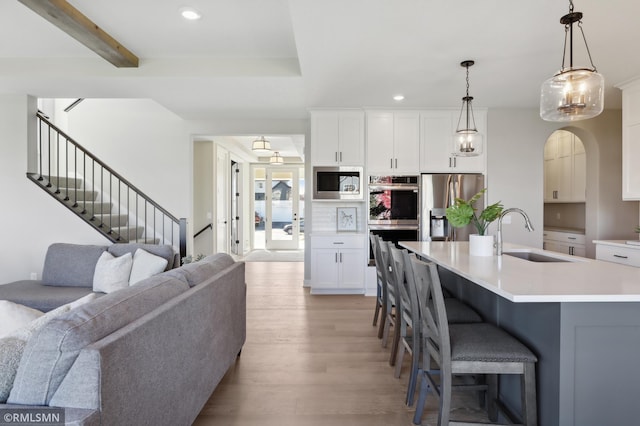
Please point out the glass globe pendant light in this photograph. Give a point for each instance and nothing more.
(467, 141)
(574, 93)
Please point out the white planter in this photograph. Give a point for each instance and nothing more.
(481, 245)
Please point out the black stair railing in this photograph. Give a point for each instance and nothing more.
(102, 197)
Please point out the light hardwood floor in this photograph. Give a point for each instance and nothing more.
(310, 360)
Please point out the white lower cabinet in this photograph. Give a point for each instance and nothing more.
(338, 264)
(617, 252)
(565, 242)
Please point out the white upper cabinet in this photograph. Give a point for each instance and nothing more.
(436, 143)
(565, 168)
(631, 140)
(393, 142)
(337, 138)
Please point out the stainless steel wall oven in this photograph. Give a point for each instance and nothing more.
(394, 207)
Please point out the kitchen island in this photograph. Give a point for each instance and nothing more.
(580, 316)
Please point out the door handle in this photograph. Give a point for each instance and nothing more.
(336, 257)
(340, 257)
(396, 163)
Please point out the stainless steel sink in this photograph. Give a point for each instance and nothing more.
(534, 257)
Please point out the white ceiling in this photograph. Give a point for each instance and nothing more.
(278, 58)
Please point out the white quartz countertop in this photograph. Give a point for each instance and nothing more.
(519, 280)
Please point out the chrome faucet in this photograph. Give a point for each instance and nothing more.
(527, 224)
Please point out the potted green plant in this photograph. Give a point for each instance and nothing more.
(463, 212)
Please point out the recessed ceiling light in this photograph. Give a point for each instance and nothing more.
(190, 13)
(398, 97)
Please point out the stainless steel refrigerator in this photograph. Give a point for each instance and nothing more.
(439, 191)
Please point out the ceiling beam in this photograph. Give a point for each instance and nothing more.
(70, 20)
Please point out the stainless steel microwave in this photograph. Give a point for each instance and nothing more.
(337, 183)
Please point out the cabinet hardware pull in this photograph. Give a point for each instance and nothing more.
(391, 163)
(396, 163)
(571, 238)
(336, 257)
(336, 156)
(338, 242)
(341, 156)
(620, 257)
(455, 162)
(340, 257)
(449, 161)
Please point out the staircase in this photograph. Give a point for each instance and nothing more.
(101, 197)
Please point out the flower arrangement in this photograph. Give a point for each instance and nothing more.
(463, 213)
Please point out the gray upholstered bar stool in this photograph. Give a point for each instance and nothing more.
(467, 349)
(407, 333)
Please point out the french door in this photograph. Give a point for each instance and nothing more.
(282, 215)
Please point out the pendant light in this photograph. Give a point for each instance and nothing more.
(467, 141)
(261, 144)
(574, 93)
(276, 159)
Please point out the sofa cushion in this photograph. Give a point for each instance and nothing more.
(41, 297)
(112, 273)
(146, 265)
(199, 271)
(71, 265)
(10, 353)
(14, 316)
(12, 346)
(51, 351)
(163, 250)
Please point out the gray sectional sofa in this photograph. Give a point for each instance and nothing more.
(148, 354)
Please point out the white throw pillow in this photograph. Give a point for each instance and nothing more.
(112, 273)
(14, 316)
(27, 331)
(146, 265)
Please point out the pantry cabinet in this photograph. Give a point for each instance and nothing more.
(393, 142)
(436, 143)
(565, 169)
(337, 138)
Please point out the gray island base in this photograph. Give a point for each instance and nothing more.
(588, 370)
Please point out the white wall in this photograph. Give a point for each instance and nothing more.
(203, 179)
(143, 141)
(31, 220)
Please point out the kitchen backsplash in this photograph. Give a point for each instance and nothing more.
(324, 215)
(564, 215)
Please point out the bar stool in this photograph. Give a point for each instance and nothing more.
(474, 349)
(389, 292)
(380, 303)
(409, 342)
